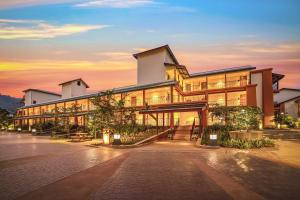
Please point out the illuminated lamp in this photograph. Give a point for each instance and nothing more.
(106, 136)
(213, 139)
(117, 139)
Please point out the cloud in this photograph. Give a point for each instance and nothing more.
(4, 4)
(38, 29)
(65, 65)
(115, 3)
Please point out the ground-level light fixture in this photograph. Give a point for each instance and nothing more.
(213, 139)
(117, 139)
(33, 130)
(106, 136)
(19, 129)
(278, 125)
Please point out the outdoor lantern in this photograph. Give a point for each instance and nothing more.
(19, 129)
(105, 136)
(117, 139)
(260, 126)
(213, 139)
(278, 125)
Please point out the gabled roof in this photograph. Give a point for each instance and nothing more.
(276, 77)
(182, 69)
(292, 89)
(158, 48)
(78, 79)
(42, 91)
(114, 90)
(296, 99)
(219, 71)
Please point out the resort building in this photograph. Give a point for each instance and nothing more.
(287, 100)
(174, 97)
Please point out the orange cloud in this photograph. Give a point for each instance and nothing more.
(19, 29)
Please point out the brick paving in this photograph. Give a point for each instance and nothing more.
(39, 168)
(48, 162)
(149, 175)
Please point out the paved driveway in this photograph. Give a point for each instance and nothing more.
(39, 168)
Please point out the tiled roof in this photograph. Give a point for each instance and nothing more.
(78, 79)
(219, 71)
(42, 91)
(115, 90)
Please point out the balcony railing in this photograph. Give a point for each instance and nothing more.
(133, 103)
(236, 102)
(158, 100)
(217, 85)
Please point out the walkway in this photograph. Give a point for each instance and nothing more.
(38, 168)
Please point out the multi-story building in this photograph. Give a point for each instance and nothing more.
(173, 95)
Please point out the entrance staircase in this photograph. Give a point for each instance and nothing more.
(183, 132)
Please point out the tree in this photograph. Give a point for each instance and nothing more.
(6, 119)
(110, 113)
(241, 117)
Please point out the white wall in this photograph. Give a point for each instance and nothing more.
(291, 108)
(256, 78)
(151, 68)
(285, 95)
(73, 90)
(39, 97)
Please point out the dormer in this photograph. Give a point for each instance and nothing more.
(73, 88)
(151, 64)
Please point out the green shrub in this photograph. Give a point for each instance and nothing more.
(239, 117)
(247, 144)
(222, 132)
(224, 140)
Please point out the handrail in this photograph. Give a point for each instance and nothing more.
(193, 127)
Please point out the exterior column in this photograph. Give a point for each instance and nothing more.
(172, 120)
(156, 122)
(163, 121)
(204, 118)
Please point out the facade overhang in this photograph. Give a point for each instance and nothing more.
(176, 107)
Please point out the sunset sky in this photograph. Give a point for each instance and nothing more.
(46, 42)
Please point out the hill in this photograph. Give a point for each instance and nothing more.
(10, 103)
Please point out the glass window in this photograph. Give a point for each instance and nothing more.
(216, 99)
(134, 98)
(83, 104)
(216, 82)
(236, 98)
(158, 96)
(237, 79)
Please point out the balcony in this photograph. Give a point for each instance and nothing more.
(133, 102)
(236, 102)
(158, 100)
(236, 83)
